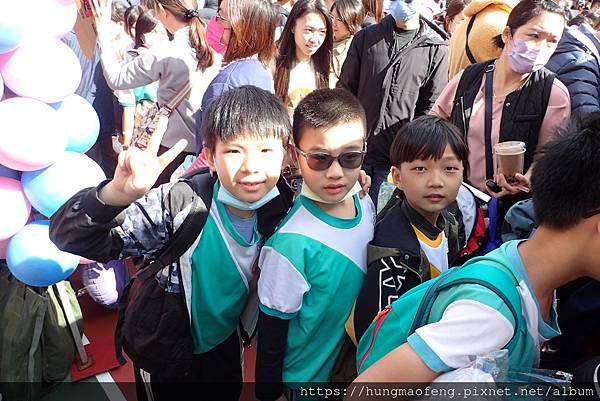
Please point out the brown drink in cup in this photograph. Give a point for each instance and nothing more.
(510, 157)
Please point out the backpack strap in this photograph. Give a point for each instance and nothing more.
(488, 274)
(182, 239)
(472, 58)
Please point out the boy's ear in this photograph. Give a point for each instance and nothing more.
(396, 177)
(210, 159)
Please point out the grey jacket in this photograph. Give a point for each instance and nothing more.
(171, 64)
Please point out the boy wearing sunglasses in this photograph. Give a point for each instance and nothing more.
(313, 267)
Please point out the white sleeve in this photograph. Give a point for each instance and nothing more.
(467, 328)
(281, 287)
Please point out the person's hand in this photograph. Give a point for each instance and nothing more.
(137, 170)
(522, 184)
(365, 183)
(101, 10)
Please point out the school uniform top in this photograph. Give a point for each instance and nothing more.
(470, 319)
(221, 271)
(172, 63)
(312, 269)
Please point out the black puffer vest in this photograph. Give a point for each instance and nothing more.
(524, 109)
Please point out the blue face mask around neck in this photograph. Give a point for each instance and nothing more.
(225, 197)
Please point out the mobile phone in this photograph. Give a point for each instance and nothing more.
(493, 186)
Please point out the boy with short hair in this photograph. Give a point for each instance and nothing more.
(245, 134)
(312, 268)
(468, 320)
(416, 238)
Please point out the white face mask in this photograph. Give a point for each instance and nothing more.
(307, 192)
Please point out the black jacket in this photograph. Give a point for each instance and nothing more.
(396, 263)
(577, 67)
(394, 89)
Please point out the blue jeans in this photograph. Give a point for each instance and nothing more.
(378, 175)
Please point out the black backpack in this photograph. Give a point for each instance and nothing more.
(154, 326)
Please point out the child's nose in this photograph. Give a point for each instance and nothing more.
(435, 179)
(251, 163)
(335, 170)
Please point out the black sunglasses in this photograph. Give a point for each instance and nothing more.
(320, 161)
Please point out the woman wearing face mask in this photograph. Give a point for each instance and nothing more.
(305, 47)
(524, 103)
(347, 16)
(244, 32)
(187, 58)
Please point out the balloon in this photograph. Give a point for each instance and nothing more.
(14, 207)
(33, 259)
(1, 87)
(48, 189)
(10, 173)
(31, 135)
(45, 69)
(84, 261)
(14, 23)
(52, 18)
(81, 122)
(104, 281)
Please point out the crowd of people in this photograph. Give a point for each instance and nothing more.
(344, 154)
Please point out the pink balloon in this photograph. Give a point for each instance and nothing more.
(45, 69)
(52, 18)
(31, 134)
(14, 207)
(1, 87)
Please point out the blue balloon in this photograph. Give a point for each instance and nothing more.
(49, 188)
(13, 24)
(33, 259)
(80, 122)
(10, 173)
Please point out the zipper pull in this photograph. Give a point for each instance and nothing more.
(383, 312)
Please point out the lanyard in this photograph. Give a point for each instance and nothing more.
(489, 94)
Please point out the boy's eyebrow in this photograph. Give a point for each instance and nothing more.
(322, 149)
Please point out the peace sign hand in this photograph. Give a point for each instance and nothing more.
(138, 170)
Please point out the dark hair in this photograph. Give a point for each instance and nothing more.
(585, 16)
(253, 24)
(287, 48)
(425, 138)
(326, 108)
(145, 23)
(374, 9)
(130, 18)
(117, 11)
(524, 12)
(186, 11)
(245, 111)
(351, 13)
(454, 8)
(566, 177)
